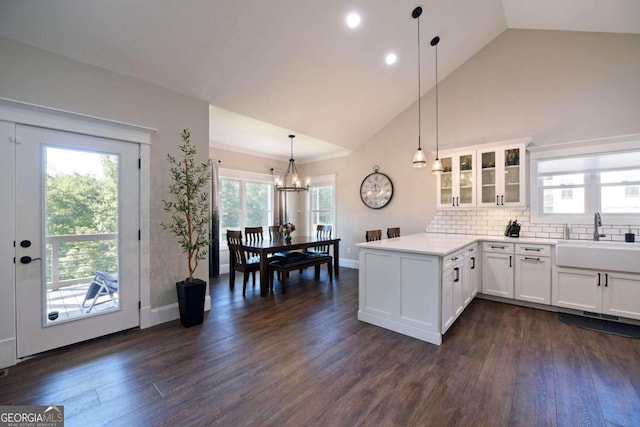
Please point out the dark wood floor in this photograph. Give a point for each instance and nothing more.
(304, 359)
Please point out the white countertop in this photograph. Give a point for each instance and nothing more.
(442, 244)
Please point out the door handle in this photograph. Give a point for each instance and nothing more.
(27, 259)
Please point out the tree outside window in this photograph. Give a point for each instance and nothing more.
(244, 203)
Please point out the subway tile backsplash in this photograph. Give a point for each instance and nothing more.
(492, 222)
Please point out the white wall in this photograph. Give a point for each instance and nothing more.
(550, 85)
(39, 77)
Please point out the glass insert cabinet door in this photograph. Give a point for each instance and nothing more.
(501, 176)
(456, 184)
(446, 182)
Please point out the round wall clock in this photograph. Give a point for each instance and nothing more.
(376, 190)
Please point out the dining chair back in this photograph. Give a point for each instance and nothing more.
(253, 234)
(240, 260)
(393, 232)
(275, 232)
(371, 235)
(322, 232)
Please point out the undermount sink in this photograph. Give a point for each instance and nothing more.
(599, 255)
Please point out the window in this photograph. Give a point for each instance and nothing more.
(246, 200)
(321, 203)
(573, 187)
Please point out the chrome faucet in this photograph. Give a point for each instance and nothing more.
(597, 222)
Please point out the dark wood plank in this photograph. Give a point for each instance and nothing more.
(304, 359)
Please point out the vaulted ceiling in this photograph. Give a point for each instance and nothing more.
(270, 68)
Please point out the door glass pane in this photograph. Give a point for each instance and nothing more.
(81, 233)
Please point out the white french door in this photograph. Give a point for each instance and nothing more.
(77, 216)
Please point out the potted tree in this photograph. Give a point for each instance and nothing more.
(189, 209)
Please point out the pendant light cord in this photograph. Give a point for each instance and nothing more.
(437, 120)
(419, 91)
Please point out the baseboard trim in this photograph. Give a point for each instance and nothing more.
(8, 352)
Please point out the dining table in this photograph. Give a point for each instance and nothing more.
(271, 246)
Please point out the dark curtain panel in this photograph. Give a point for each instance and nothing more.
(214, 249)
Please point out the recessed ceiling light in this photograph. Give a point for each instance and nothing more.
(353, 19)
(391, 58)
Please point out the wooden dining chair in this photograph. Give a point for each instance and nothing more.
(371, 235)
(322, 232)
(240, 261)
(393, 232)
(275, 232)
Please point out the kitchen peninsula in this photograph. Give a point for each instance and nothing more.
(419, 284)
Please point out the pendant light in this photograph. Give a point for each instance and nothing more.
(436, 169)
(291, 181)
(419, 159)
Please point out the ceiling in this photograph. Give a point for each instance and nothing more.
(271, 68)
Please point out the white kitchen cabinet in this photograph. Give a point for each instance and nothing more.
(401, 291)
(501, 175)
(470, 270)
(456, 183)
(602, 292)
(497, 269)
(533, 273)
(452, 282)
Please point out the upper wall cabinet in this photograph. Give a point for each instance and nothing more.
(456, 183)
(501, 177)
(490, 175)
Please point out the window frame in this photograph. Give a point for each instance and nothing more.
(317, 182)
(592, 185)
(244, 177)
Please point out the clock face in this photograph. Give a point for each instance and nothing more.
(376, 190)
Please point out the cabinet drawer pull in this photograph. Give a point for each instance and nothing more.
(531, 258)
(510, 261)
(498, 247)
(532, 249)
(455, 258)
(606, 280)
(599, 277)
(457, 271)
(473, 265)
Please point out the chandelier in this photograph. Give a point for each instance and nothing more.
(290, 180)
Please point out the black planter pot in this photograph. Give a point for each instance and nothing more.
(191, 301)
